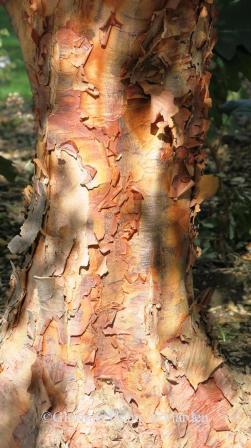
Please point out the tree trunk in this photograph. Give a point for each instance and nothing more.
(102, 345)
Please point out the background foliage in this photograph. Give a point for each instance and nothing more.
(13, 77)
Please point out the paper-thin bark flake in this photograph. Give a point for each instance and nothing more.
(206, 188)
(103, 269)
(195, 359)
(15, 301)
(105, 30)
(32, 225)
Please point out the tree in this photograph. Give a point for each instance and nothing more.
(101, 336)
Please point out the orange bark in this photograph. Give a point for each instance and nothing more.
(101, 336)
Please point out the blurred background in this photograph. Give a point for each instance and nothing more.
(222, 273)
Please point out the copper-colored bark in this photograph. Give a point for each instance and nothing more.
(101, 330)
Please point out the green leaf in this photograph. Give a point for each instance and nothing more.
(7, 169)
(234, 28)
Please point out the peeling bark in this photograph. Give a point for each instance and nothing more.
(107, 344)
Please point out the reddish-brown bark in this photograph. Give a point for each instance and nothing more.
(102, 330)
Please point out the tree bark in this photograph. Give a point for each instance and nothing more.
(101, 341)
